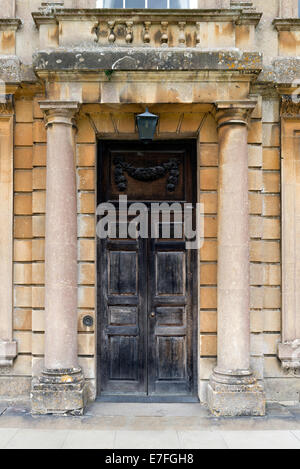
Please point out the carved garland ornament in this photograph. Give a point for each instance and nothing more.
(146, 174)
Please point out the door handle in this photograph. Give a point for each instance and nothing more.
(152, 315)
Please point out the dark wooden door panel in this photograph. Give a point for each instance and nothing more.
(122, 299)
(170, 351)
(169, 273)
(123, 270)
(146, 287)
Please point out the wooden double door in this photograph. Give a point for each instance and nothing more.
(147, 300)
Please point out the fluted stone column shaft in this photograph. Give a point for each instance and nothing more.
(60, 388)
(233, 390)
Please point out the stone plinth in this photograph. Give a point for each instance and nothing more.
(59, 392)
(240, 396)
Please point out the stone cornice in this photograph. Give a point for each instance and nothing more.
(290, 107)
(141, 59)
(239, 16)
(285, 71)
(10, 24)
(284, 24)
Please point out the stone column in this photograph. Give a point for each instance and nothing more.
(8, 346)
(289, 348)
(233, 390)
(60, 388)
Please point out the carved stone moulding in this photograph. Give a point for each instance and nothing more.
(287, 24)
(8, 352)
(10, 24)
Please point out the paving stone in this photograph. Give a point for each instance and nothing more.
(5, 435)
(37, 439)
(89, 440)
(16, 411)
(201, 440)
(261, 440)
(155, 426)
(296, 433)
(147, 440)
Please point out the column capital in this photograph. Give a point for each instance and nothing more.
(6, 105)
(290, 107)
(233, 112)
(60, 112)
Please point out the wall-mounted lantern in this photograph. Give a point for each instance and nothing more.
(146, 124)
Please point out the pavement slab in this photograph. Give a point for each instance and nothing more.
(261, 440)
(201, 440)
(150, 426)
(90, 440)
(5, 435)
(37, 439)
(147, 440)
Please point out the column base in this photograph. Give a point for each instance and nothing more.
(62, 392)
(233, 395)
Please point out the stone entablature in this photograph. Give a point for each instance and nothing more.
(206, 29)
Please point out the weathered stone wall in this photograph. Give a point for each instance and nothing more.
(117, 121)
